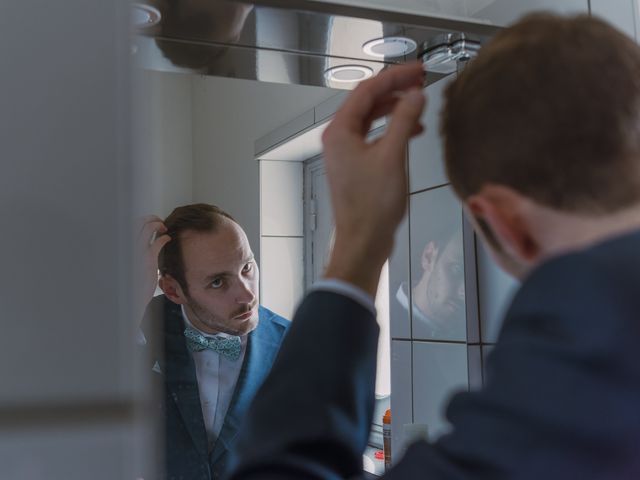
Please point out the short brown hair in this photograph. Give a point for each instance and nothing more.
(550, 109)
(198, 217)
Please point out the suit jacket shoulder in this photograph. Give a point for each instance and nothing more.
(186, 454)
(270, 316)
(560, 400)
(563, 379)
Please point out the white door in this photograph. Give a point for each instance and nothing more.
(319, 228)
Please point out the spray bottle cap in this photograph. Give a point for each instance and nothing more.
(387, 416)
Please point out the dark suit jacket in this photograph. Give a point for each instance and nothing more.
(186, 453)
(562, 399)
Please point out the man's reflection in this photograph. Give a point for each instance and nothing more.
(437, 294)
(216, 22)
(212, 343)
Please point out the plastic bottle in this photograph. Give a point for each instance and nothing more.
(386, 438)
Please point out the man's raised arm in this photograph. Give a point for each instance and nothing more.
(312, 416)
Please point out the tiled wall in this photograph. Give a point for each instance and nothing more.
(430, 363)
(621, 13)
(281, 235)
(447, 295)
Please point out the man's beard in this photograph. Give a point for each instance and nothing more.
(215, 322)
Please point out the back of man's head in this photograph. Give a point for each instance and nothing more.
(198, 217)
(549, 108)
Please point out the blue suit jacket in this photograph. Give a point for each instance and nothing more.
(562, 398)
(186, 453)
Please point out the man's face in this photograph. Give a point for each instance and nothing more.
(442, 298)
(222, 279)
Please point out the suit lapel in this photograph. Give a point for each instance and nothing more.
(262, 346)
(181, 380)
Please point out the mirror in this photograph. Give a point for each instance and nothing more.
(195, 138)
(211, 79)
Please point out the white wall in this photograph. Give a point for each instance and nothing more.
(621, 13)
(498, 12)
(163, 142)
(68, 392)
(228, 116)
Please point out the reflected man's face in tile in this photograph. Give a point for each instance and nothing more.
(440, 292)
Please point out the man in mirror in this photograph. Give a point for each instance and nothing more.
(211, 24)
(542, 146)
(211, 341)
(437, 293)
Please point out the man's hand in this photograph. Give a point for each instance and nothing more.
(368, 181)
(151, 239)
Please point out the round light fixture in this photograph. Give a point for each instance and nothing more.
(348, 73)
(389, 47)
(144, 16)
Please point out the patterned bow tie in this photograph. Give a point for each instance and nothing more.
(226, 346)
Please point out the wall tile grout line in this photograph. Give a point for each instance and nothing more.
(80, 414)
(428, 189)
(448, 342)
(282, 236)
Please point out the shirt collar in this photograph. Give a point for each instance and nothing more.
(188, 323)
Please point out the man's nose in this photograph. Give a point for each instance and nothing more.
(461, 291)
(245, 293)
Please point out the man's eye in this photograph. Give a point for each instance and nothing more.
(247, 268)
(217, 283)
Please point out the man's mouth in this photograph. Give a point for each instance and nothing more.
(246, 315)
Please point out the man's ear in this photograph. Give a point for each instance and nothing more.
(506, 214)
(429, 255)
(172, 289)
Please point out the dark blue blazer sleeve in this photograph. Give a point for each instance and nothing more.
(563, 388)
(312, 415)
(560, 401)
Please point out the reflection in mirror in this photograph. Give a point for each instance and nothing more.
(194, 145)
(320, 235)
(319, 239)
(233, 39)
(211, 333)
(437, 294)
(218, 22)
(286, 45)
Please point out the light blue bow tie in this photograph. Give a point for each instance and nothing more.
(228, 347)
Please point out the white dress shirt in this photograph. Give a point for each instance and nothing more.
(217, 377)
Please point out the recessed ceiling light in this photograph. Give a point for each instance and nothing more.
(348, 73)
(389, 47)
(446, 53)
(144, 16)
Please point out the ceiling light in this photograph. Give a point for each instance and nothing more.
(389, 47)
(348, 73)
(447, 52)
(144, 16)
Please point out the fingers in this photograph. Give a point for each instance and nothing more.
(152, 226)
(384, 107)
(370, 94)
(148, 219)
(405, 121)
(158, 244)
